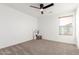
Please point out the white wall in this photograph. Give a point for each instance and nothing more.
(15, 27)
(77, 26)
(48, 25)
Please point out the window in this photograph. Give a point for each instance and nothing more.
(65, 25)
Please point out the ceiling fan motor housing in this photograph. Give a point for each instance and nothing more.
(41, 6)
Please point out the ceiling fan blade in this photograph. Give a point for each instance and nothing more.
(35, 7)
(48, 5)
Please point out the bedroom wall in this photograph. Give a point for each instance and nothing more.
(15, 27)
(48, 25)
(77, 26)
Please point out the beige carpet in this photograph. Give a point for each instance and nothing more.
(41, 47)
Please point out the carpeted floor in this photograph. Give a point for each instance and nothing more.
(40, 47)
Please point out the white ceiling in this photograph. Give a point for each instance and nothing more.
(56, 9)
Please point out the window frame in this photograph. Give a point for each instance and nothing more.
(60, 33)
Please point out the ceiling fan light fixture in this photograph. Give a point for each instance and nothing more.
(41, 9)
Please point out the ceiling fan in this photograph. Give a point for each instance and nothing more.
(42, 7)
